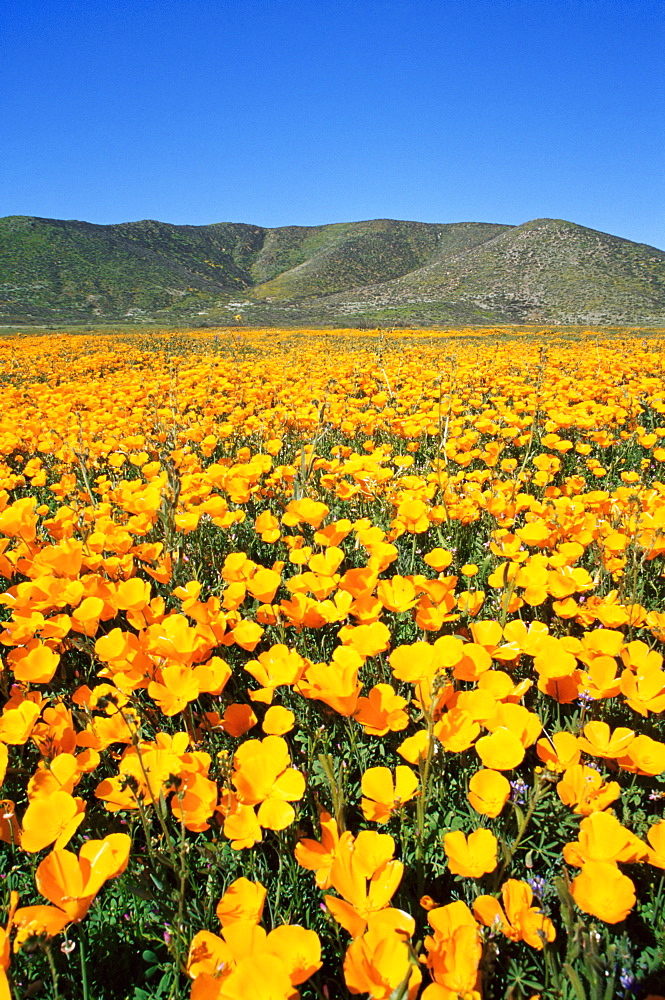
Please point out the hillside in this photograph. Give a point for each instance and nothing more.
(545, 271)
(350, 255)
(379, 272)
(75, 270)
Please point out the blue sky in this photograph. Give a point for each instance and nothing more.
(279, 112)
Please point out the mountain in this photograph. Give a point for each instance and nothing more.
(379, 272)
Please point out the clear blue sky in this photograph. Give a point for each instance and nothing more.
(280, 112)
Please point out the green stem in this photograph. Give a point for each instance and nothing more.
(351, 728)
(280, 868)
(336, 789)
(551, 969)
(84, 967)
(84, 474)
(53, 970)
(157, 803)
(508, 594)
(539, 790)
(413, 554)
(183, 884)
(146, 828)
(424, 768)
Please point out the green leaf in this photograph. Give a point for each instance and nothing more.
(576, 982)
(609, 992)
(164, 983)
(519, 815)
(140, 891)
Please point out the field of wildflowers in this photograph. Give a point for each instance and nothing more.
(332, 665)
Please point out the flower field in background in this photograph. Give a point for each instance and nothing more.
(332, 665)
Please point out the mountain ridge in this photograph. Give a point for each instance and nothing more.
(377, 271)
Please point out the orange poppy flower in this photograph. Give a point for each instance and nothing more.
(412, 516)
(196, 800)
(333, 533)
(35, 921)
(37, 663)
(328, 562)
(177, 688)
(656, 838)
(238, 719)
(517, 919)
(241, 826)
(267, 526)
(365, 875)
(472, 857)
(379, 962)
(318, 856)
(599, 741)
(85, 618)
(470, 602)
(20, 520)
(263, 776)
(132, 594)
(305, 511)
(603, 838)
(71, 883)
(560, 751)
(60, 774)
(500, 684)
(456, 730)
(246, 634)
(644, 691)
(366, 640)
(439, 559)
(414, 748)
(242, 900)
(644, 756)
(524, 724)
(450, 651)
(383, 795)
(49, 819)
(454, 952)
(247, 962)
(474, 663)
(336, 683)
(415, 663)
(278, 721)
(382, 711)
(10, 832)
(213, 676)
(55, 733)
(298, 949)
(501, 751)
(583, 788)
(264, 585)
(397, 594)
(488, 792)
(603, 891)
(277, 666)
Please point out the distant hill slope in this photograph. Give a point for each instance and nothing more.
(75, 270)
(381, 271)
(350, 255)
(547, 270)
